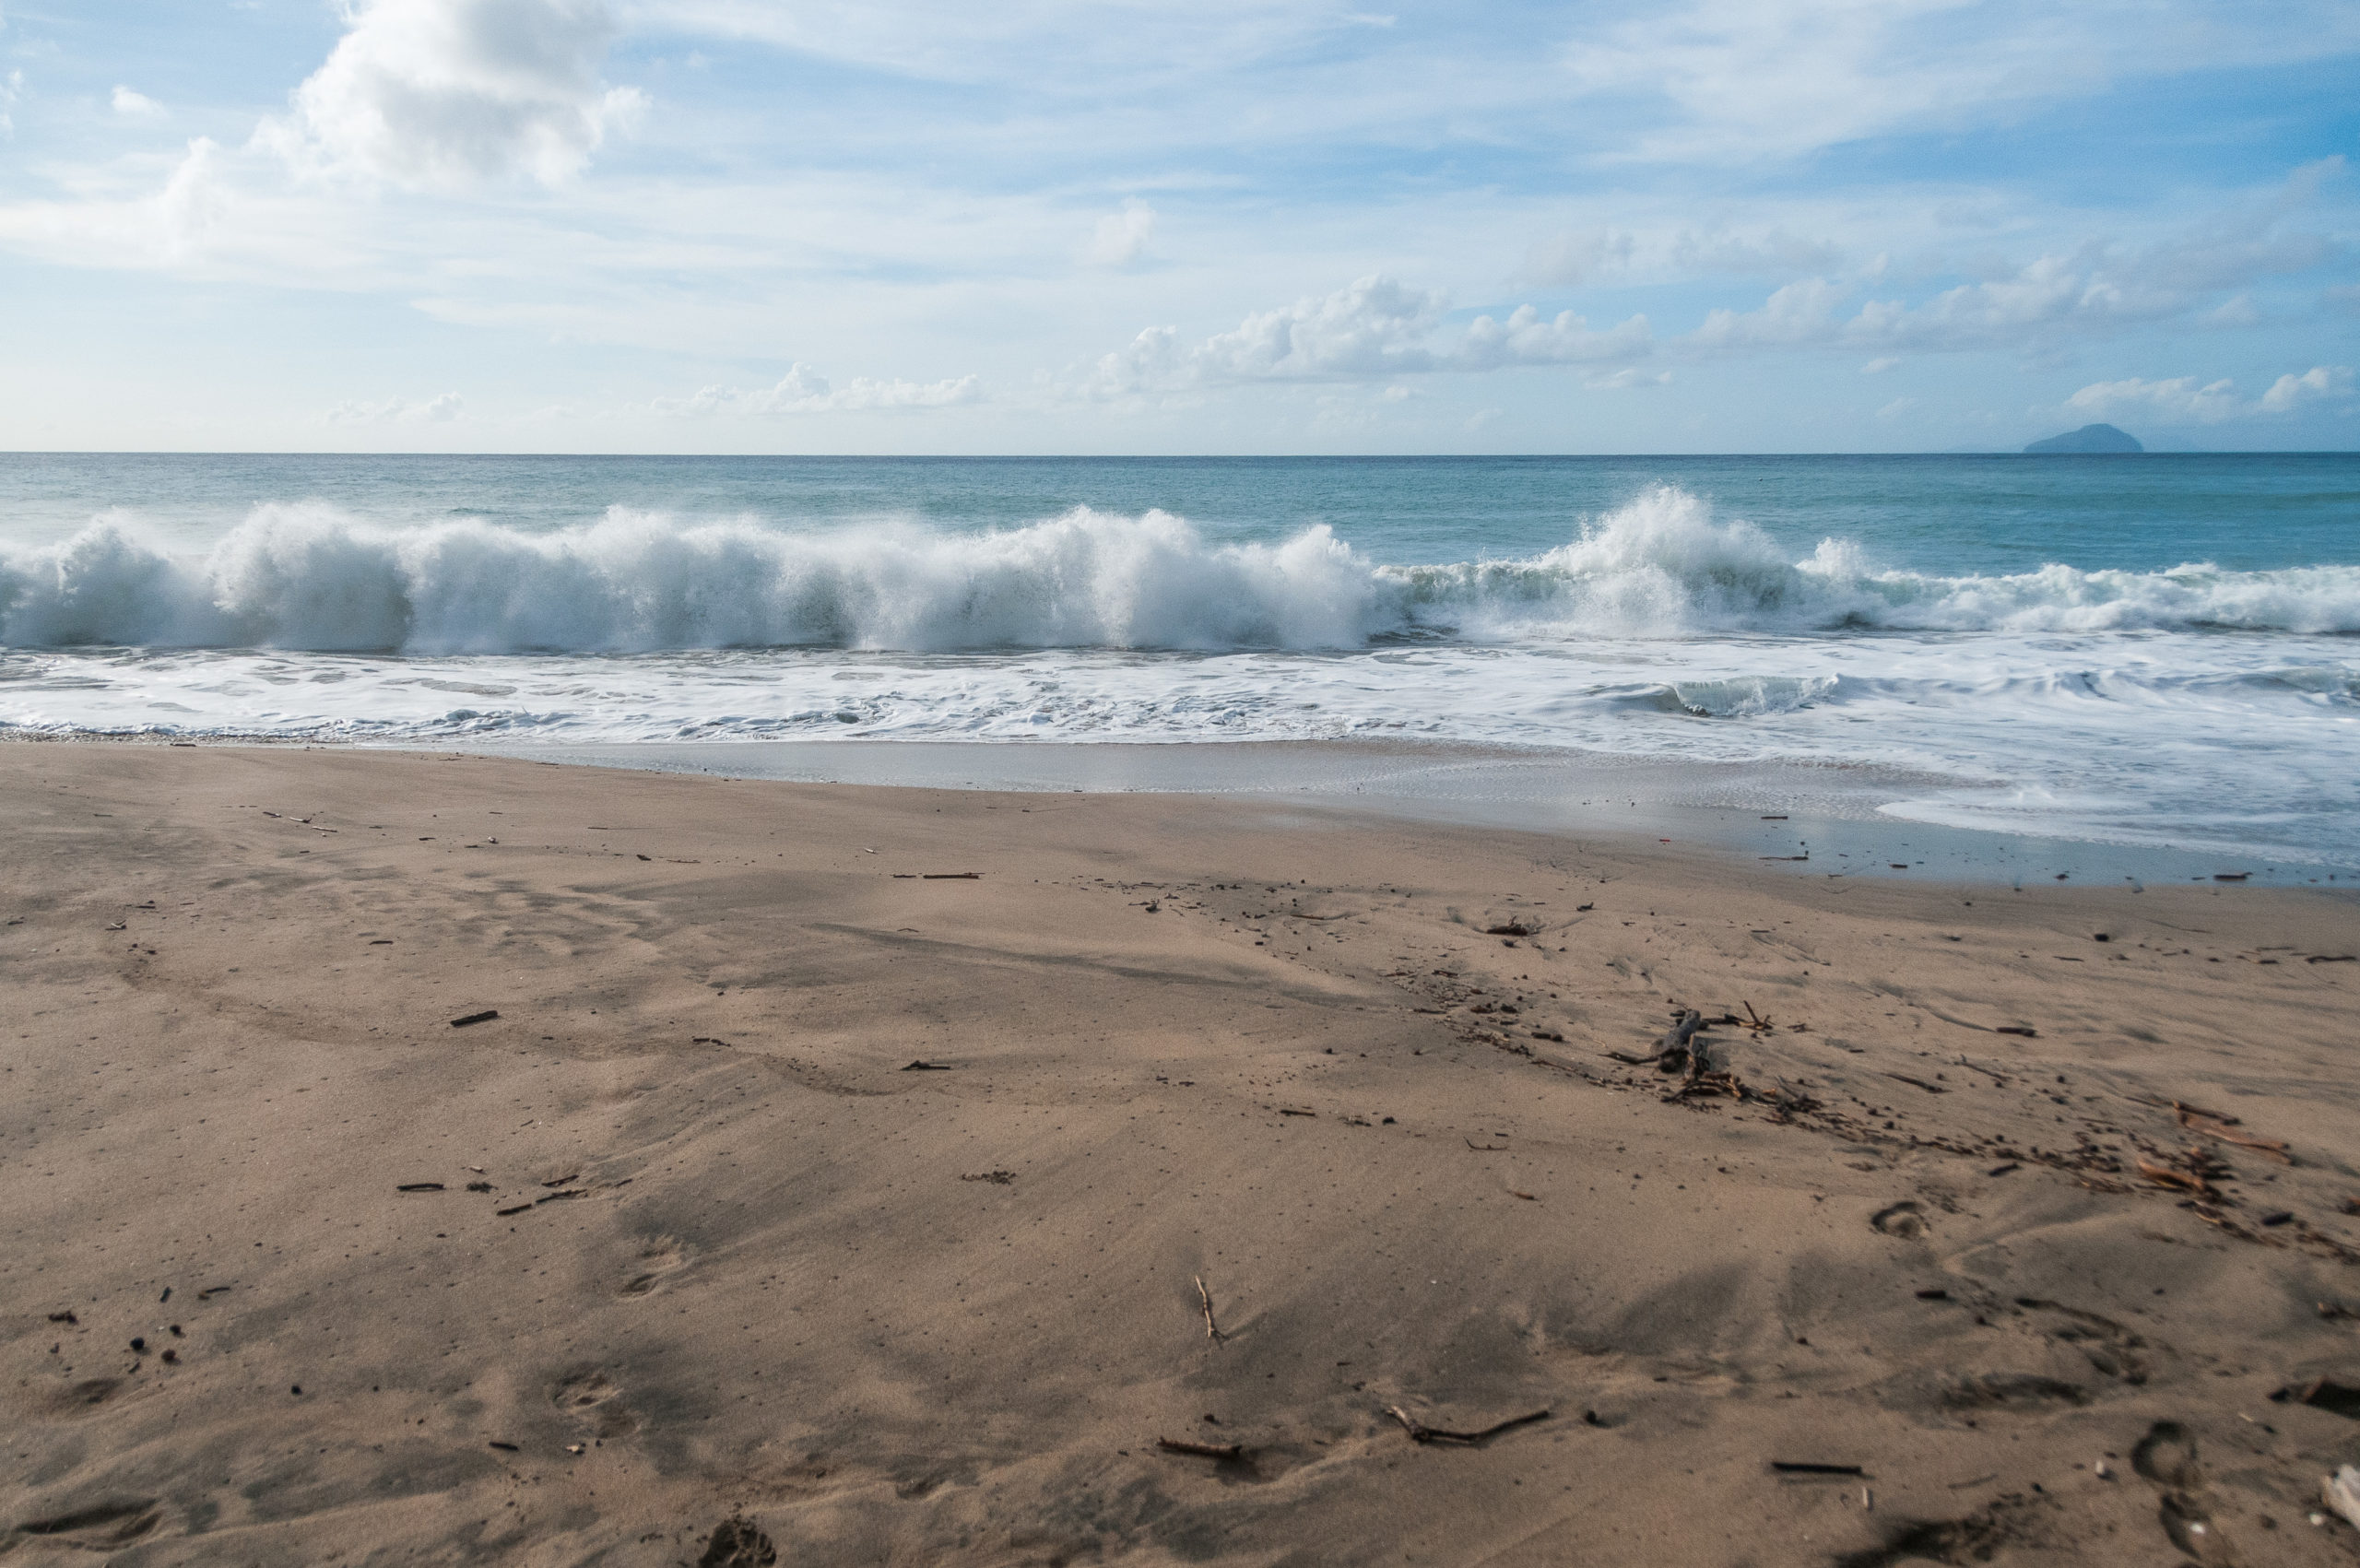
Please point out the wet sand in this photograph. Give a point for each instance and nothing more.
(698, 1266)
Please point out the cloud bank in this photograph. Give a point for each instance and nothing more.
(2182, 401)
(1376, 328)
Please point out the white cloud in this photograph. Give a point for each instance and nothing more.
(1121, 237)
(442, 92)
(804, 391)
(135, 105)
(12, 87)
(1372, 329)
(397, 411)
(2182, 401)
(193, 203)
(2289, 392)
(1878, 366)
(2024, 309)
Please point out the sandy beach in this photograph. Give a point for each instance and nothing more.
(870, 1175)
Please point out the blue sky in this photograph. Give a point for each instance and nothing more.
(1225, 226)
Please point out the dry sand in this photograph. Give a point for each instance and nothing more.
(710, 1274)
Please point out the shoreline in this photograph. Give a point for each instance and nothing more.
(1803, 818)
(1236, 1124)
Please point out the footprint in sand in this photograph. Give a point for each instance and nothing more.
(2167, 1455)
(592, 1398)
(738, 1544)
(662, 1258)
(1906, 1220)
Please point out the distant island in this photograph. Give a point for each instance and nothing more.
(2089, 438)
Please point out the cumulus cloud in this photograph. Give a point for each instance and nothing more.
(2290, 392)
(2183, 401)
(397, 411)
(135, 105)
(804, 391)
(442, 92)
(1121, 237)
(1373, 329)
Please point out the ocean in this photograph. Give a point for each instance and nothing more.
(2156, 650)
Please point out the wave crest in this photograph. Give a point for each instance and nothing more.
(303, 577)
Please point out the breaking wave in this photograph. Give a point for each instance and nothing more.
(306, 578)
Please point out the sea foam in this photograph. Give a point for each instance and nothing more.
(306, 578)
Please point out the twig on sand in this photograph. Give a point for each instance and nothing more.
(1227, 1451)
(1420, 1432)
(484, 1017)
(1800, 1467)
(1206, 1297)
(951, 876)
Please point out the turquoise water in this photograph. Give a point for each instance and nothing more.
(1957, 515)
(2153, 649)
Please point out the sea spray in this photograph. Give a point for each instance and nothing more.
(305, 577)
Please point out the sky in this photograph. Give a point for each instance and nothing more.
(1225, 226)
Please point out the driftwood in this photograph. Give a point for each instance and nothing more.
(2164, 1176)
(484, 1017)
(2212, 1124)
(1672, 1051)
(1227, 1451)
(922, 1066)
(951, 876)
(1420, 1432)
(1800, 1467)
(420, 1186)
